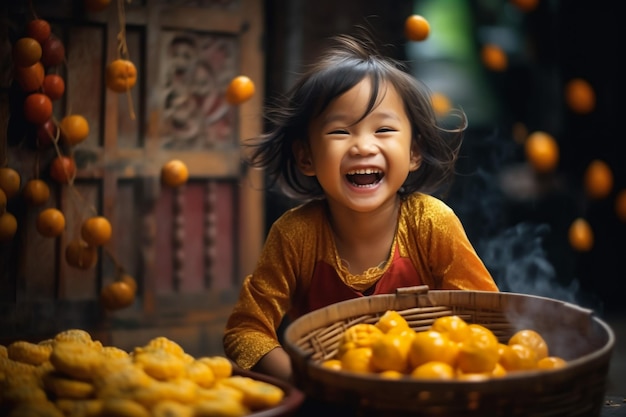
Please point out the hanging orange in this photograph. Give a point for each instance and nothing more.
(416, 28)
(580, 96)
(542, 151)
(63, 169)
(441, 103)
(80, 255)
(174, 173)
(96, 231)
(10, 181)
(8, 226)
(117, 295)
(50, 222)
(96, 5)
(598, 179)
(580, 235)
(36, 192)
(37, 108)
(53, 52)
(38, 29)
(53, 86)
(121, 75)
(74, 129)
(620, 205)
(239, 90)
(494, 58)
(26, 51)
(30, 78)
(525, 5)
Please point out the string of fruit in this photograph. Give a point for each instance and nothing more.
(37, 56)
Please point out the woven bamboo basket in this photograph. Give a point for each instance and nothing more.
(571, 332)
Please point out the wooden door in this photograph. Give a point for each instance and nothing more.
(187, 247)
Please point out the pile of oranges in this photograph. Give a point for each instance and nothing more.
(450, 349)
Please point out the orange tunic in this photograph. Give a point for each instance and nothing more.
(300, 270)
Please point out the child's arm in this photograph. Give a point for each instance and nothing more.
(275, 363)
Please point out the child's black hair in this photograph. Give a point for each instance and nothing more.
(349, 60)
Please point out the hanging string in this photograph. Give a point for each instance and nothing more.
(122, 49)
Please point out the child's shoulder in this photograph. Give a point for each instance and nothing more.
(310, 213)
(426, 204)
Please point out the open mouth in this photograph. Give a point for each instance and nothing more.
(365, 177)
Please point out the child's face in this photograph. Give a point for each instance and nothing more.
(360, 166)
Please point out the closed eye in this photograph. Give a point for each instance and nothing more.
(338, 132)
(385, 130)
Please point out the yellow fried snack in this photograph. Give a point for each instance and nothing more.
(257, 395)
(120, 380)
(220, 392)
(27, 352)
(35, 409)
(19, 388)
(220, 365)
(64, 387)
(74, 335)
(200, 373)
(3, 352)
(76, 359)
(168, 408)
(225, 407)
(182, 391)
(112, 352)
(162, 343)
(122, 407)
(80, 408)
(160, 364)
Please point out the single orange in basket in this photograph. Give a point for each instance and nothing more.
(434, 370)
(391, 319)
(416, 28)
(531, 339)
(357, 360)
(357, 336)
(454, 327)
(479, 352)
(390, 352)
(334, 364)
(551, 362)
(517, 357)
(430, 345)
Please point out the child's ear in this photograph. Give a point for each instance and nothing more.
(416, 160)
(303, 157)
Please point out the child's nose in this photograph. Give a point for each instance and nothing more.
(364, 145)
